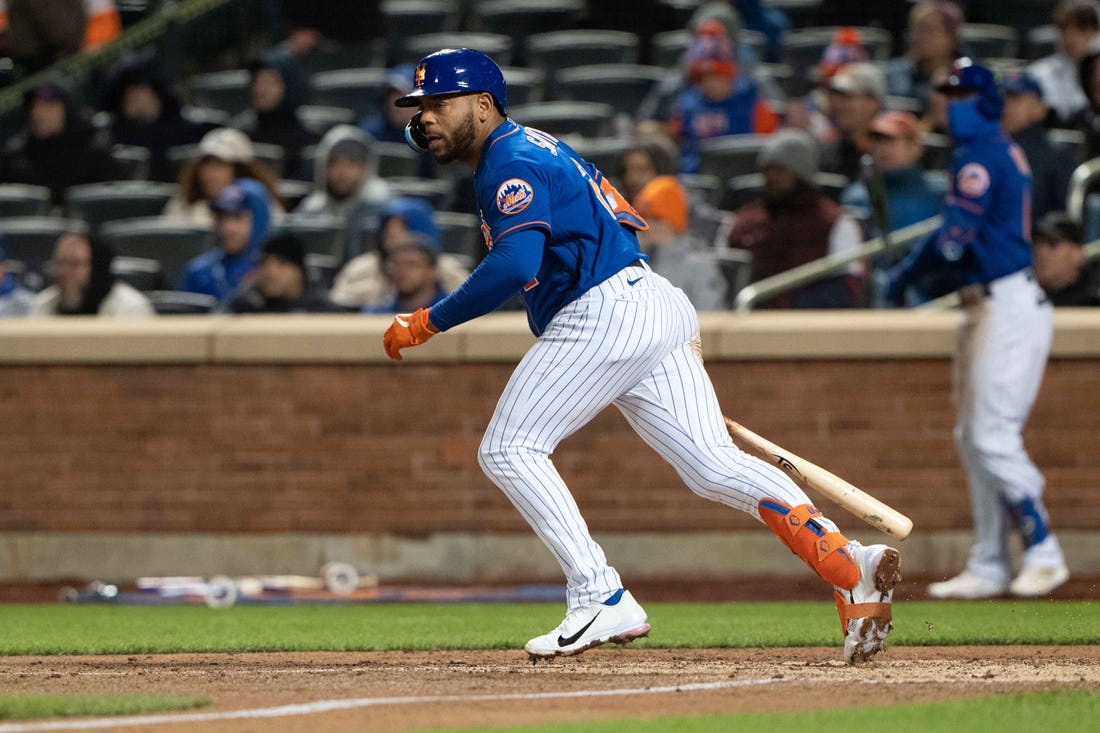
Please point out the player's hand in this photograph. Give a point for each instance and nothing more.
(407, 329)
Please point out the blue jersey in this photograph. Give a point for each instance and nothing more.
(986, 232)
(574, 230)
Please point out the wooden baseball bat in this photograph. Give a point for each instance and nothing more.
(884, 518)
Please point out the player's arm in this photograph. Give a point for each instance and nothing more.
(513, 262)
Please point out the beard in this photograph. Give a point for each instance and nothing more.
(462, 141)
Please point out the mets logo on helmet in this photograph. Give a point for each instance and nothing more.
(418, 76)
(514, 195)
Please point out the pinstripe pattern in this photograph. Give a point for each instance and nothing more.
(627, 345)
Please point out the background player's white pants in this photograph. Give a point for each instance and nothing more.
(628, 341)
(1002, 351)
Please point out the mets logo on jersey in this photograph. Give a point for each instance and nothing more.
(973, 180)
(514, 195)
(418, 76)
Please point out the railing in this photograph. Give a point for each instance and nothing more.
(771, 287)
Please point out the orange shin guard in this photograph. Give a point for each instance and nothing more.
(822, 550)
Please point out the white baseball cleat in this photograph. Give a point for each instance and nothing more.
(619, 619)
(865, 610)
(966, 586)
(1038, 580)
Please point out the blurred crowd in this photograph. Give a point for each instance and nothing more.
(751, 145)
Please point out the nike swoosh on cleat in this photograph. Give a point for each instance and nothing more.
(566, 641)
(401, 321)
(635, 281)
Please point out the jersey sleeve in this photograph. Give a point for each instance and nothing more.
(514, 197)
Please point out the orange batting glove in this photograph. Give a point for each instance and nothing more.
(407, 329)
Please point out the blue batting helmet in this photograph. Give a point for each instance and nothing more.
(969, 77)
(455, 71)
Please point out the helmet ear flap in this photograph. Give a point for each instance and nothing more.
(415, 135)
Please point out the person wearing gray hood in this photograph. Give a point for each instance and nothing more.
(346, 185)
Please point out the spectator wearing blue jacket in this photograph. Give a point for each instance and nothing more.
(242, 218)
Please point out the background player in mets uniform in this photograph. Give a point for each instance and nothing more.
(609, 331)
(1004, 338)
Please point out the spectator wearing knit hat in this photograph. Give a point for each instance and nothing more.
(934, 44)
(663, 203)
(1024, 113)
(811, 112)
(719, 100)
(856, 95)
(223, 154)
(794, 222)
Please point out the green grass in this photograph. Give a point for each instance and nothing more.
(105, 629)
(27, 706)
(1066, 710)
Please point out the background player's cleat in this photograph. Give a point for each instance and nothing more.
(1038, 580)
(865, 610)
(619, 619)
(966, 586)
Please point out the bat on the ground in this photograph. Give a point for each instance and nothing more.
(882, 517)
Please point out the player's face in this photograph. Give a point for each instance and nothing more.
(451, 127)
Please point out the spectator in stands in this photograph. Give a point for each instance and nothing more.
(41, 32)
(795, 223)
(242, 218)
(1060, 264)
(84, 284)
(1078, 24)
(386, 123)
(277, 89)
(1088, 119)
(1023, 117)
(346, 185)
(146, 113)
(719, 101)
(281, 284)
(412, 274)
(906, 191)
(59, 148)
(934, 42)
(811, 113)
(855, 97)
(223, 155)
(663, 203)
(314, 25)
(935, 114)
(15, 300)
(650, 157)
(362, 281)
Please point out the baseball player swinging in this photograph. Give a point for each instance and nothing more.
(609, 331)
(1003, 341)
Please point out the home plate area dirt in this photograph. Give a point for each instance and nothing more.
(389, 691)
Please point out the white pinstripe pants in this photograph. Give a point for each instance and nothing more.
(629, 345)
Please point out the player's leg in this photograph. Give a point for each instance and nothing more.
(676, 411)
(1005, 382)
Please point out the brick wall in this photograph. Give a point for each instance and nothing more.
(376, 448)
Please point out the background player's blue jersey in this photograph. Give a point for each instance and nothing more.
(986, 232)
(529, 183)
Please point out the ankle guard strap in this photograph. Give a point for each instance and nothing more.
(822, 550)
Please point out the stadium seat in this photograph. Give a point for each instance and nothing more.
(783, 78)
(460, 234)
(21, 199)
(270, 155)
(894, 103)
(668, 47)
(623, 86)
(139, 272)
(555, 50)
(407, 18)
(224, 90)
(736, 266)
(567, 118)
(800, 13)
(741, 190)
(293, 192)
(330, 55)
(730, 155)
(1071, 141)
(702, 188)
(988, 40)
(205, 115)
(832, 184)
(520, 19)
(605, 153)
(97, 203)
(155, 238)
(321, 270)
(359, 90)
(497, 45)
(802, 49)
(318, 234)
(396, 160)
(1041, 41)
(181, 303)
(133, 160)
(938, 151)
(319, 118)
(30, 239)
(523, 86)
(437, 192)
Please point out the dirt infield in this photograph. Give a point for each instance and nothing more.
(409, 691)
